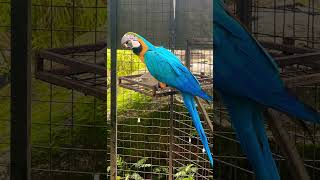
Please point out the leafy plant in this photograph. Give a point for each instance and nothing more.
(130, 171)
(186, 173)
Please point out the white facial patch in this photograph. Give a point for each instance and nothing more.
(128, 37)
(135, 44)
(130, 41)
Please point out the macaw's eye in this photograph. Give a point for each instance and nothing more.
(129, 43)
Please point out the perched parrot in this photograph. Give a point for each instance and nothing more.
(164, 66)
(248, 80)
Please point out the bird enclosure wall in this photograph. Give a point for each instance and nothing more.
(151, 135)
(176, 20)
(69, 130)
(287, 29)
(153, 125)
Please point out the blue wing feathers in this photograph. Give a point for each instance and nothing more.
(167, 68)
(249, 80)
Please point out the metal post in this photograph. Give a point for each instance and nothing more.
(171, 139)
(188, 54)
(20, 89)
(113, 32)
(244, 9)
(287, 145)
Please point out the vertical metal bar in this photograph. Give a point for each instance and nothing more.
(171, 139)
(188, 55)
(173, 24)
(20, 89)
(244, 12)
(113, 113)
(172, 46)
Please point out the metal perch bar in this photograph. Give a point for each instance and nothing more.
(75, 67)
(287, 145)
(204, 114)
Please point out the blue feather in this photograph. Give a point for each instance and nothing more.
(246, 118)
(191, 106)
(167, 68)
(249, 81)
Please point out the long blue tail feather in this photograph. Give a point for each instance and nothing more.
(190, 105)
(247, 120)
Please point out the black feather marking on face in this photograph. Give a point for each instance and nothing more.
(137, 50)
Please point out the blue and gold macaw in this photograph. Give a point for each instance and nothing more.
(168, 69)
(248, 80)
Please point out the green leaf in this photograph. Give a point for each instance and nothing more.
(161, 170)
(136, 176)
(141, 163)
(186, 172)
(127, 177)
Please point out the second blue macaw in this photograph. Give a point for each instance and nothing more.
(248, 80)
(168, 69)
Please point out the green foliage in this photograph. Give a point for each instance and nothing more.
(62, 17)
(186, 173)
(127, 62)
(125, 171)
(66, 16)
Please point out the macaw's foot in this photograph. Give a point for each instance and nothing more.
(162, 85)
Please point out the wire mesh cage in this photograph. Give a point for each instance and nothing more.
(153, 125)
(69, 130)
(294, 23)
(287, 29)
(74, 130)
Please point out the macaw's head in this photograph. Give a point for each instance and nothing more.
(136, 43)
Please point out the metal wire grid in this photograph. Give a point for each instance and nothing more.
(69, 130)
(156, 129)
(290, 22)
(277, 21)
(143, 127)
(48, 168)
(230, 161)
(187, 148)
(5, 93)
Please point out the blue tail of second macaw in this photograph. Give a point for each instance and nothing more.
(191, 106)
(291, 105)
(247, 120)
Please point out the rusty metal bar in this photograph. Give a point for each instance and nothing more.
(79, 49)
(286, 48)
(287, 145)
(71, 84)
(73, 62)
(204, 114)
(171, 138)
(69, 71)
(309, 79)
(113, 113)
(298, 59)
